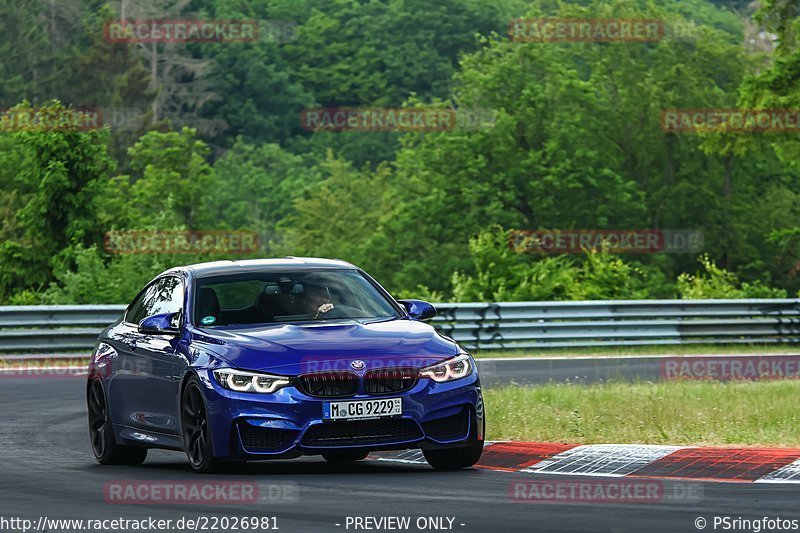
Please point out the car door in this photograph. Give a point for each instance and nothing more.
(145, 386)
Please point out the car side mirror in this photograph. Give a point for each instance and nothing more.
(419, 309)
(160, 324)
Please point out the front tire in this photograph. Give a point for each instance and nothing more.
(461, 457)
(194, 429)
(101, 432)
(454, 458)
(345, 456)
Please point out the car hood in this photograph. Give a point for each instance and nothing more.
(293, 349)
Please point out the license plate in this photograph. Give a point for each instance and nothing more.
(362, 409)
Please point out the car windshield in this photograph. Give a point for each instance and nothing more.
(283, 297)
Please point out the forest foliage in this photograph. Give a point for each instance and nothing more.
(575, 141)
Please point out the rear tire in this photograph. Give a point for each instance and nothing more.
(101, 432)
(454, 458)
(345, 456)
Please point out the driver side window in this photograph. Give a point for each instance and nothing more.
(163, 296)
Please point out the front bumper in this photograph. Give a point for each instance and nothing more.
(289, 423)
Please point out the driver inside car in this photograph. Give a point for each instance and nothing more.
(318, 302)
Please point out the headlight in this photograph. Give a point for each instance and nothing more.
(456, 368)
(239, 381)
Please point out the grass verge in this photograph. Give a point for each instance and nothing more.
(675, 412)
(680, 349)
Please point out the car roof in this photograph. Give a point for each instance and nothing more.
(216, 268)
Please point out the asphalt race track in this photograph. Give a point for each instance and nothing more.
(588, 370)
(48, 470)
(583, 370)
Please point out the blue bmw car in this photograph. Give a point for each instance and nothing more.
(271, 359)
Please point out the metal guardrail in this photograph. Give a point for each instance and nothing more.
(620, 323)
(54, 328)
(486, 326)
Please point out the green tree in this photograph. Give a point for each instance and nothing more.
(255, 188)
(96, 280)
(715, 282)
(501, 274)
(172, 177)
(336, 216)
(775, 85)
(577, 143)
(50, 193)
